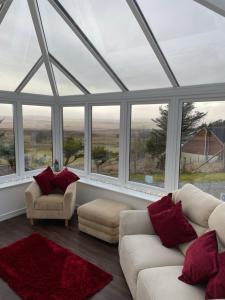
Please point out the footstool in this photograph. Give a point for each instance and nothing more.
(100, 218)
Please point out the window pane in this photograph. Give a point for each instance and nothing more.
(73, 137)
(202, 160)
(7, 143)
(37, 136)
(19, 49)
(64, 85)
(105, 139)
(148, 143)
(39, 83)
(191, 37)
(72, 54)
(114, 31)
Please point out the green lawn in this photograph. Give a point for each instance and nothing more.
(185, 177)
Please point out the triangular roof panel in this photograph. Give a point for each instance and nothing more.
(65, 46)
(19, 49)
(114, 31)
(39, 83)
(64, 85)
(191, 37)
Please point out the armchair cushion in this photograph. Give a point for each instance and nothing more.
(64, 179)
(44, 180)
(49, 202)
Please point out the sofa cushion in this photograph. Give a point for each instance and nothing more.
(201, 260)
(49, 202)
(172, 226)
(217, 222)
(162, 283)
(199, 230)
(197, 205)
(216, 285)
(138, 252)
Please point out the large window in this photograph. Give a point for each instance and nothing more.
(148, 143)
(202, 160)
(105, 139)
(37, 136)
(73, 137)
(7, 144)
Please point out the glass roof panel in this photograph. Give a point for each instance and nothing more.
(72, 54)
(114, 31)
(65, 86)
(19, 49)
(39, 83)
(191, 37)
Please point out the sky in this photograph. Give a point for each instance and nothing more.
(114, 31)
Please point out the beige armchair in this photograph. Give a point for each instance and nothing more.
(52, 206)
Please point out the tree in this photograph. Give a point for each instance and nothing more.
(156, 144)
(100, 155)
(73, 149)
(1, 133)
(7, 152)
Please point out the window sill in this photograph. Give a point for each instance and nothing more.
(106, 186)
(119, 189)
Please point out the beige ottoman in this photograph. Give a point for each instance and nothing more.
(100, 218)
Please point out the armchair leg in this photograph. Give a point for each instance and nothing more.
(66, 222)
(31, 222)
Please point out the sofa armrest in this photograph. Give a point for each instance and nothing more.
(70, 199)
(32, 193)
(135, 222)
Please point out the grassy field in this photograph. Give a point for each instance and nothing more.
(184, 177)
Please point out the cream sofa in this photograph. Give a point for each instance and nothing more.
(53, 206)
(151, 270)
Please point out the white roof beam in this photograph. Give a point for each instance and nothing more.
(68, 74)
(214, 6)
(4, 9)
(31, 73)
(84, 39)
(152, 40)
(35, 14)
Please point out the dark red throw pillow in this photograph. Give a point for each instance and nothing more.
(44, 180)
(216, 285)
(201, 260)
(172, 226)
(165, 202)
(64, 179)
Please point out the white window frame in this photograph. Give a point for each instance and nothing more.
(175, 96)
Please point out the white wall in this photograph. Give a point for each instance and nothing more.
(12, 198)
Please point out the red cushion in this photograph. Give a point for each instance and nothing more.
(172, 226)
(44, 180)
(160, 205)
(216, 285)
(64, 179)
(201, 259)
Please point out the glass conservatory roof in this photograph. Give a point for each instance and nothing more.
(64, 47)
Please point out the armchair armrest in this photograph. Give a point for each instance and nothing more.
(32, 193)
(70, 199)
(135, 222)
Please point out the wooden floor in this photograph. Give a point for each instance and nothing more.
(91, 249)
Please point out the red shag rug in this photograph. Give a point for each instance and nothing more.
(39, 269)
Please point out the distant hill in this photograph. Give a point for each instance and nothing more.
(43, 123)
